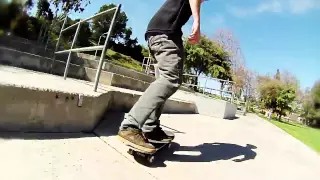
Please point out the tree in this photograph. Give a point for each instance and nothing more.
(26, 27)
(284, 100)
(276, 95)
(9, 12)
(311, 104)
(291, 80)
(251, 85)
(28, 4)
(44, 10)
(129, 47)
(145, 51)
(229, 42)
(84, 34)
(207, 58)
(70, 5)
(269, 89)
(102, 24)
(121, 38)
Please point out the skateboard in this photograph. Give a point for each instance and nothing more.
(150, 157)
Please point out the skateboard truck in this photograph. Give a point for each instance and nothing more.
(150, 157)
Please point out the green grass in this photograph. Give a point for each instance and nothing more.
(123, 60)
(308, 135)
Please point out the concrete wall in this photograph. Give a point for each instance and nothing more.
(43, 64)
(25, 46)
(89, 61)
(80, 62)
(124, 102)
(117, 76)
(213, 107)
(38, 110)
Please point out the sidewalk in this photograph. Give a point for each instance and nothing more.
(247, 148)
(205, 147)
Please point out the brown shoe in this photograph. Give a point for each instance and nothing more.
(134, 138)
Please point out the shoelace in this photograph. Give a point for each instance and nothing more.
(141, 136)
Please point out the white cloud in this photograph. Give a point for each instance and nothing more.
(217, 20)
(277, 6)
(302, 6)
(274, 6)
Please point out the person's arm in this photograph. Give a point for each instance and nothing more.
(195, 8)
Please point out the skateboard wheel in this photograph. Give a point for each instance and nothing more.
(130, 151)
(151, 159)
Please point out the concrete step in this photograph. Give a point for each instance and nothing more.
(39, 102)
(112, 75)
(80, 59)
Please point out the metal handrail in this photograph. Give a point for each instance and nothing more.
(103, 48)
(83, 49)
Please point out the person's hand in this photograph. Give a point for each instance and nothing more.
(194, 37)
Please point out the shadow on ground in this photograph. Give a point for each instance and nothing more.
(43, 136)
(108, 126)
(112, 121)
(206, 152)
(232, 118)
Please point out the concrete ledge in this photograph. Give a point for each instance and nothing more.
(27, 109)
(124, 102)
(216, 108)
(37, 110)
(122, 71)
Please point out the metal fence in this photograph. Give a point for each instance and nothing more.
(150, 68)
(102, 35)
(83, 49)
(45, 30)
(146, 64)
(205, 88)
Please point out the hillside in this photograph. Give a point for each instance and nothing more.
(123, 60)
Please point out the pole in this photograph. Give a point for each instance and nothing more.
(97, 78)
(58, 42)
(41, 29)
(48, 39)
(205, 85)
(44, 35)
(64, 23)
(95, 54)
(69, 57)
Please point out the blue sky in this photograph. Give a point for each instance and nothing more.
(273, 34)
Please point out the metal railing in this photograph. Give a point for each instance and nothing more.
(92, 48)
(45, 30)
(102, 35)
(207, 89)
(149, 62)
(146, 63)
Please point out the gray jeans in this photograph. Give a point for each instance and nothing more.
(169, 54)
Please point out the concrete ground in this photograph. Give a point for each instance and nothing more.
(27, 78)
(204, 147)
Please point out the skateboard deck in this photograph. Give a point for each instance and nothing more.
(149, 156)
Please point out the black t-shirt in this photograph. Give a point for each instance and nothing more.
(170, 18)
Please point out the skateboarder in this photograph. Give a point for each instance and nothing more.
(164, 37)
